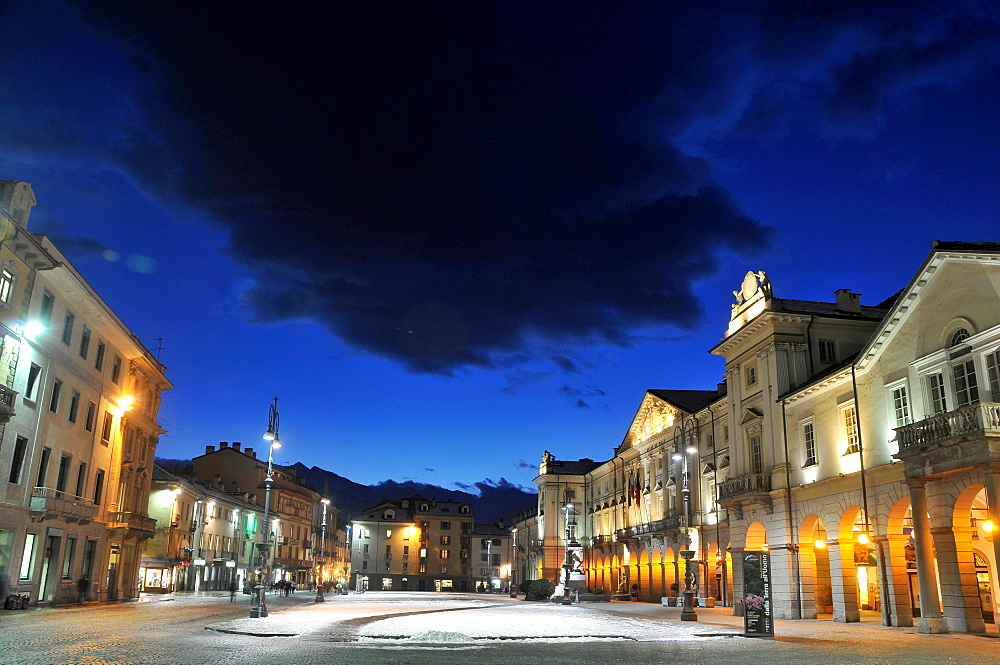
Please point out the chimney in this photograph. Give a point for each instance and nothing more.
(250, 452)
(847, 301)
(223, 444)
(209, 449)
(219, 482)
(236, 446)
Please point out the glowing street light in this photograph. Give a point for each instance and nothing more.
(259, 608)
(322, 556)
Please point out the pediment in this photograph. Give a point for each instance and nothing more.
(653, 416)
(750, 415)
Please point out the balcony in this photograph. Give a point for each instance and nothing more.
(951, 441)
(132, 524)
(745, 486)
(47, 503)
(7, 397)
(658, 527)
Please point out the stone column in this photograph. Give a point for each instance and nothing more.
(959, 589)
(784, 598)
(807, 573)
(737, 576)
(930, 620)
(993, 499)
(899, 580)
(844, 582)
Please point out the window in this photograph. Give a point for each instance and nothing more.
(900, 406)
(388, 551)
(54, 398)
(959, 336)
(85, 342)
(406, 550)
(827, 351)
(422, 567)
(101, 351)
(445, 554)
(966, 387)
(98, 486)
(809, 439)
(63, 476)
(484, 557)
(27, 557)
(81, 479)
(388, 533)
(851, 430)
(446, 540)
(756, 455)
(364, 548)
(935, 385)
(43, 467)
(20, 449)
(751, 374)
(48, 302)
(364, 565)
(106, 430)
(67, 335)
(6, 284)
(116, 369)
(496, 560)
(993, 375)
(74, 406)
(445, 526)
(67, 567)
(91, 416)
(33, 373)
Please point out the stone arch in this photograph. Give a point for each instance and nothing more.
(756, 536)
(814, 564)
(657, 587)
(641, 580)
(900, 560)
(670, 571)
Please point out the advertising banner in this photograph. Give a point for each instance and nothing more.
(757, 616)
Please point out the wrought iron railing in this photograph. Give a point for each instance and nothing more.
(746, 484)
(979, 419)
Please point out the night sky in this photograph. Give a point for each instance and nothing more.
(450, 236)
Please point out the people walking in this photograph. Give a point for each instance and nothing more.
(232, 591)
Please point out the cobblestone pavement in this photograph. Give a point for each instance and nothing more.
(403, 628)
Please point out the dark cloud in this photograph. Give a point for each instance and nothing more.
(465, 487)
(439, 183)
(521, 464)
(429, 470)
(578, 394)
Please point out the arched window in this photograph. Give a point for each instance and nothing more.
(959, 336)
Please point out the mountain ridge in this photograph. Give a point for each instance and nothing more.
(496, 500)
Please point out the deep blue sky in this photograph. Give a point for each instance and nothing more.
(452, 235)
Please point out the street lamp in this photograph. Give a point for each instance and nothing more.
(322, 555)
(568, 565)
(687, 613)
(259, 608)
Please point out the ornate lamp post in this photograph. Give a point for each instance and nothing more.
(322, 556)
(570, 543)
(687, 613)
(259, 608)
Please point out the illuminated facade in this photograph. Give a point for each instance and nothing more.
(78, 406)
(295, 510)
(413, 544)
(858, 445)
(204, 538)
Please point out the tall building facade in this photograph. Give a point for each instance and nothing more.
(413, 544)
(79, 404)
(856, 445)
(295, 511)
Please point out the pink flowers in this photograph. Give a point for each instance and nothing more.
(754, 602)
